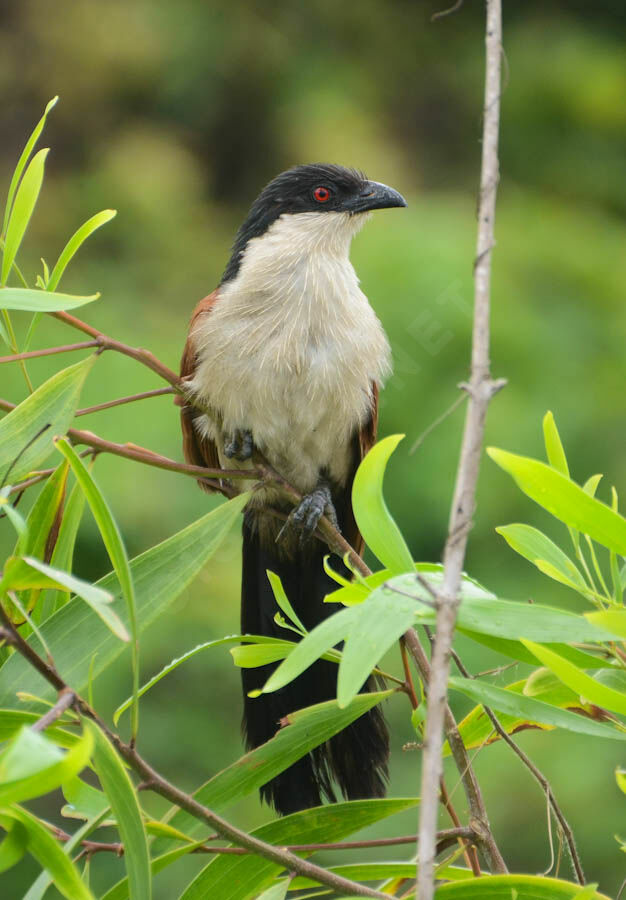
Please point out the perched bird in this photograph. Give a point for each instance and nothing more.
(287, 356)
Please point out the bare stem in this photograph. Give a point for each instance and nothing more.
(66, 699)
(49, 351)
(481, 388)
(145, 395)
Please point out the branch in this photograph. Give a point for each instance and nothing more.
(284, 858)
(480, 389)
(158, 392)
(145, 357)
(66, 699)
(48, 351)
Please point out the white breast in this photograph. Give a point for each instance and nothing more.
(291, 348)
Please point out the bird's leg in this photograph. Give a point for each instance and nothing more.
(239, 444)
(311, 508)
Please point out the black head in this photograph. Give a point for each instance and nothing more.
(318, 187)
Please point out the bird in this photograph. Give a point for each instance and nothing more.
(286, 358)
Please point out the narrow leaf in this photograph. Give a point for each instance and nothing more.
(282, 600)
(554, 447)
(376, 625)
(375, 522)
(593, 691)
(123, 799)
(114, 544)
(33, 300)
(564, 499)
(240, 877)
(97, 599)
(32, 765)
(49, 854)
(75, 242)
(75, 633)
(611, 620)
(27, 432)
(13, 847)
(520, 887)
(25, 156)
(23, 206)
(533, 545)
(307, 729)
(533, 710)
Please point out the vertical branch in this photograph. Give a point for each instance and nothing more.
(480, 389)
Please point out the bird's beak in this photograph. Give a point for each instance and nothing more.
(375, 196)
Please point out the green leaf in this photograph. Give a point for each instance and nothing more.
(25, 200)
(95, 597)
(376, 625)
(520, 887)
(12, 720)
(75, 242)
(308, 728)
(516, 650)
(564, 499)
(43, 513)
(40, 885)
(63, 555)
(112, 538)
(83, 800)
(476, 728)
(76, 634)
(577, 680)
(48, 853)
(52, 407)
(379, 530)
(612, 620)
(26, 152)
(277, 891)
(32, 765)
(533, 545)
(282, 600)
(502, 618)
(532, 710)
(324, 636)
(33, 300)
(620, 777)
(239, 877)
(119, 891)
(13, 847)
(554, 447)
(234, 638)
(123, 799)
(250, 656)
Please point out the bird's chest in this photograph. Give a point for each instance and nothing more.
(292, 359)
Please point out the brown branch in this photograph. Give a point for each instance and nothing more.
(540, 778)
(158, 392)
(108, 343)
(480, 389)
(164, 788)
(48, 351)
(66, 699)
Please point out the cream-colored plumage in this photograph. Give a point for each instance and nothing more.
(291, 348)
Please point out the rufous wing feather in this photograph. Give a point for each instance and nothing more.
(198, 450)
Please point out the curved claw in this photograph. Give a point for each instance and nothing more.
(310, 510)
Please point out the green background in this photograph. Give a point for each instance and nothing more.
(176, 114)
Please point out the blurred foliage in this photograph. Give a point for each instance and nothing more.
(175, 115)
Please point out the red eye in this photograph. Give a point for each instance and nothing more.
(321, 194)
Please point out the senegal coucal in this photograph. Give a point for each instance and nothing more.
(287, 356)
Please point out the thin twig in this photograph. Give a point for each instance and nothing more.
(481, 388)
(108, 343)
(439, 420)
(158, 392)
(49, 351)
(164, 788)
(66, 699)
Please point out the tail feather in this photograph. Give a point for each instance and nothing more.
(356, 758)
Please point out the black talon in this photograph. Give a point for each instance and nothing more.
(310, 510)
(239, 444)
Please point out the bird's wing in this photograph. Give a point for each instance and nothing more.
(363, 442)
(198, 450)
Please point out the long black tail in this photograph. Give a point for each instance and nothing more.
(356, 758)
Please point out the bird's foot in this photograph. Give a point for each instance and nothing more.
(239, 444)
(312, 507)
